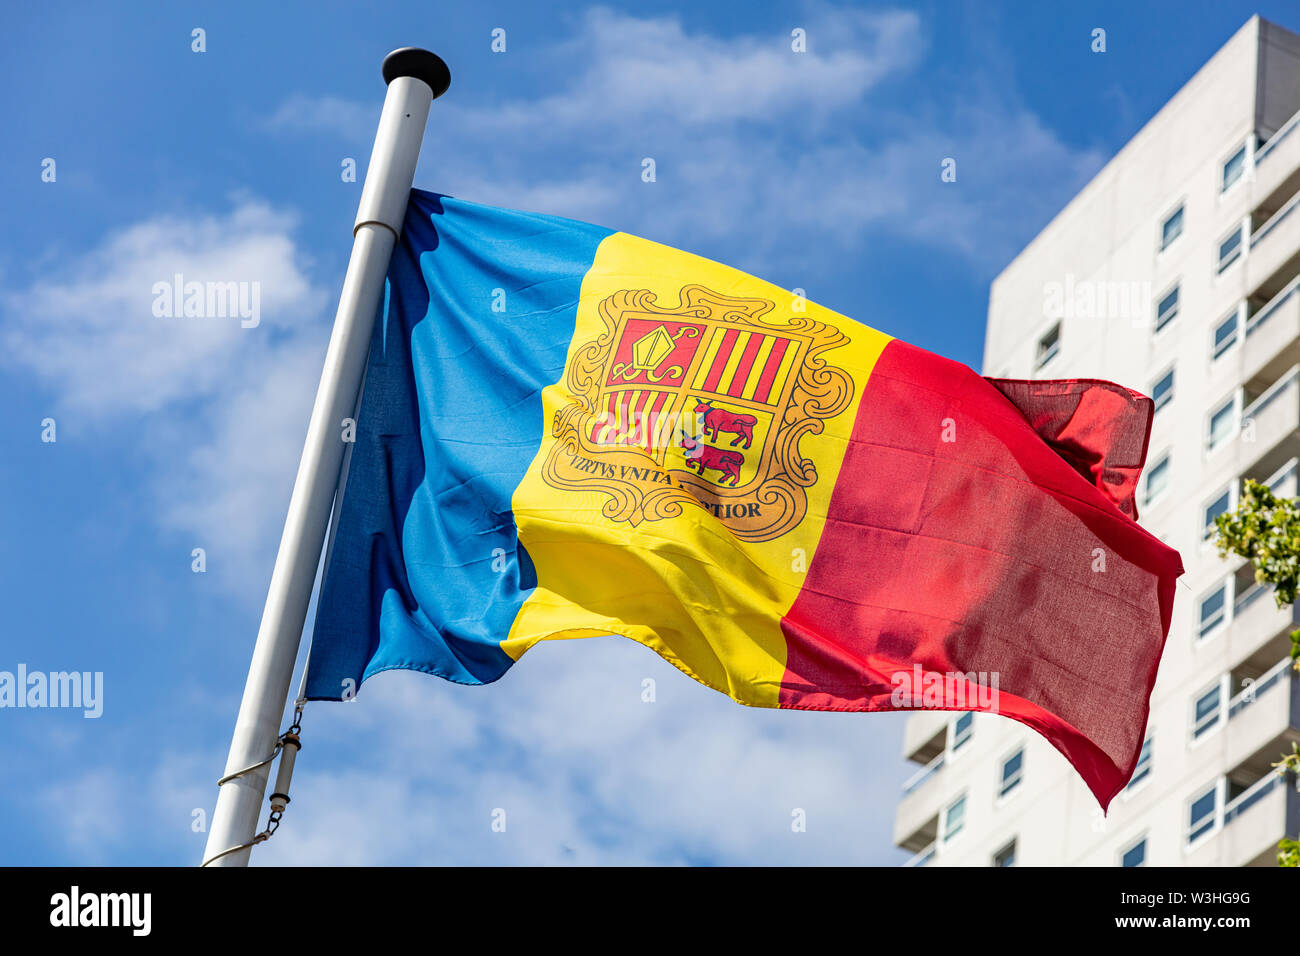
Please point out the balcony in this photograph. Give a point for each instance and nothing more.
(1257, 621)
(916, 821)
(1260, 806)
(1269, 419)
(924, 856)
(1277, 161)
(1264, 716)
(1272, 260)
(1283, 481)
(1273, 334)
(924, 774)
(1255, 820)
(925, 734)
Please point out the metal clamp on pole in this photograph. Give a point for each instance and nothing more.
(286, 748)
(415, 78)
(280, 798)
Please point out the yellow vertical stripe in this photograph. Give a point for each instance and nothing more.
(634, 420)
(710, 353)
(733, 360)
(680, 583)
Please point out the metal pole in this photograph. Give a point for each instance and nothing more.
(415, 78)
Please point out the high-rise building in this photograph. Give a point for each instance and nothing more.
(1175, 271)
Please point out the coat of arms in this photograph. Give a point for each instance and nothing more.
(698, 405)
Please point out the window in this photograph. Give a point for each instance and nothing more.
(1230, 249)
(1218, 506)
(1143, 768)
(1157, 480)
(1206, 711)
(960, 730)
(1162, 392)
(1006, 856)
(1221, 505)
(1213, 609)
(1202, 813)
(1135, 855)
(1222, 422)
(1048, 346)
(954, 818)
(1233, 168)
(1167, 310)
(1013, 769)
(1172, 229)
(1225, 334)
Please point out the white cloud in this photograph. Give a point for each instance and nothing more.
(332, 113)
(586, 772)
(218, 408)
(97, 814)
(623, 71)
(777, 157)
(632, 69)
(230, 491)
(89, 810)
(88, 325)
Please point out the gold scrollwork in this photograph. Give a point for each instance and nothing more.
(654, 375)
(779, 487)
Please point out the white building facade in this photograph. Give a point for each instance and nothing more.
(1175, 271)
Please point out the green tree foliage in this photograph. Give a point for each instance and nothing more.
(1265, 530)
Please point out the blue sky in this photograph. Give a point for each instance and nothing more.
(818, 171)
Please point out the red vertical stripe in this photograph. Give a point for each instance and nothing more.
(746, 363)
(975, 551)
(654, 425)
(624, 398)
(772, 366)
(602, 426)
(636, 420)
(720, 360)
(611, 419)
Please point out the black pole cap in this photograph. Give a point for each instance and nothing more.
(421, 64)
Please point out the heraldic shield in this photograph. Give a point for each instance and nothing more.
(698, 405)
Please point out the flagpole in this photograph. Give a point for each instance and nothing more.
(415, 78)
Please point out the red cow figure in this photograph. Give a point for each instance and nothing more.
(700, 457)
(720, 420)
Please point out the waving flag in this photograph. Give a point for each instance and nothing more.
(570, 432)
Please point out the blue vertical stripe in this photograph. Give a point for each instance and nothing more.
(426, 571)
